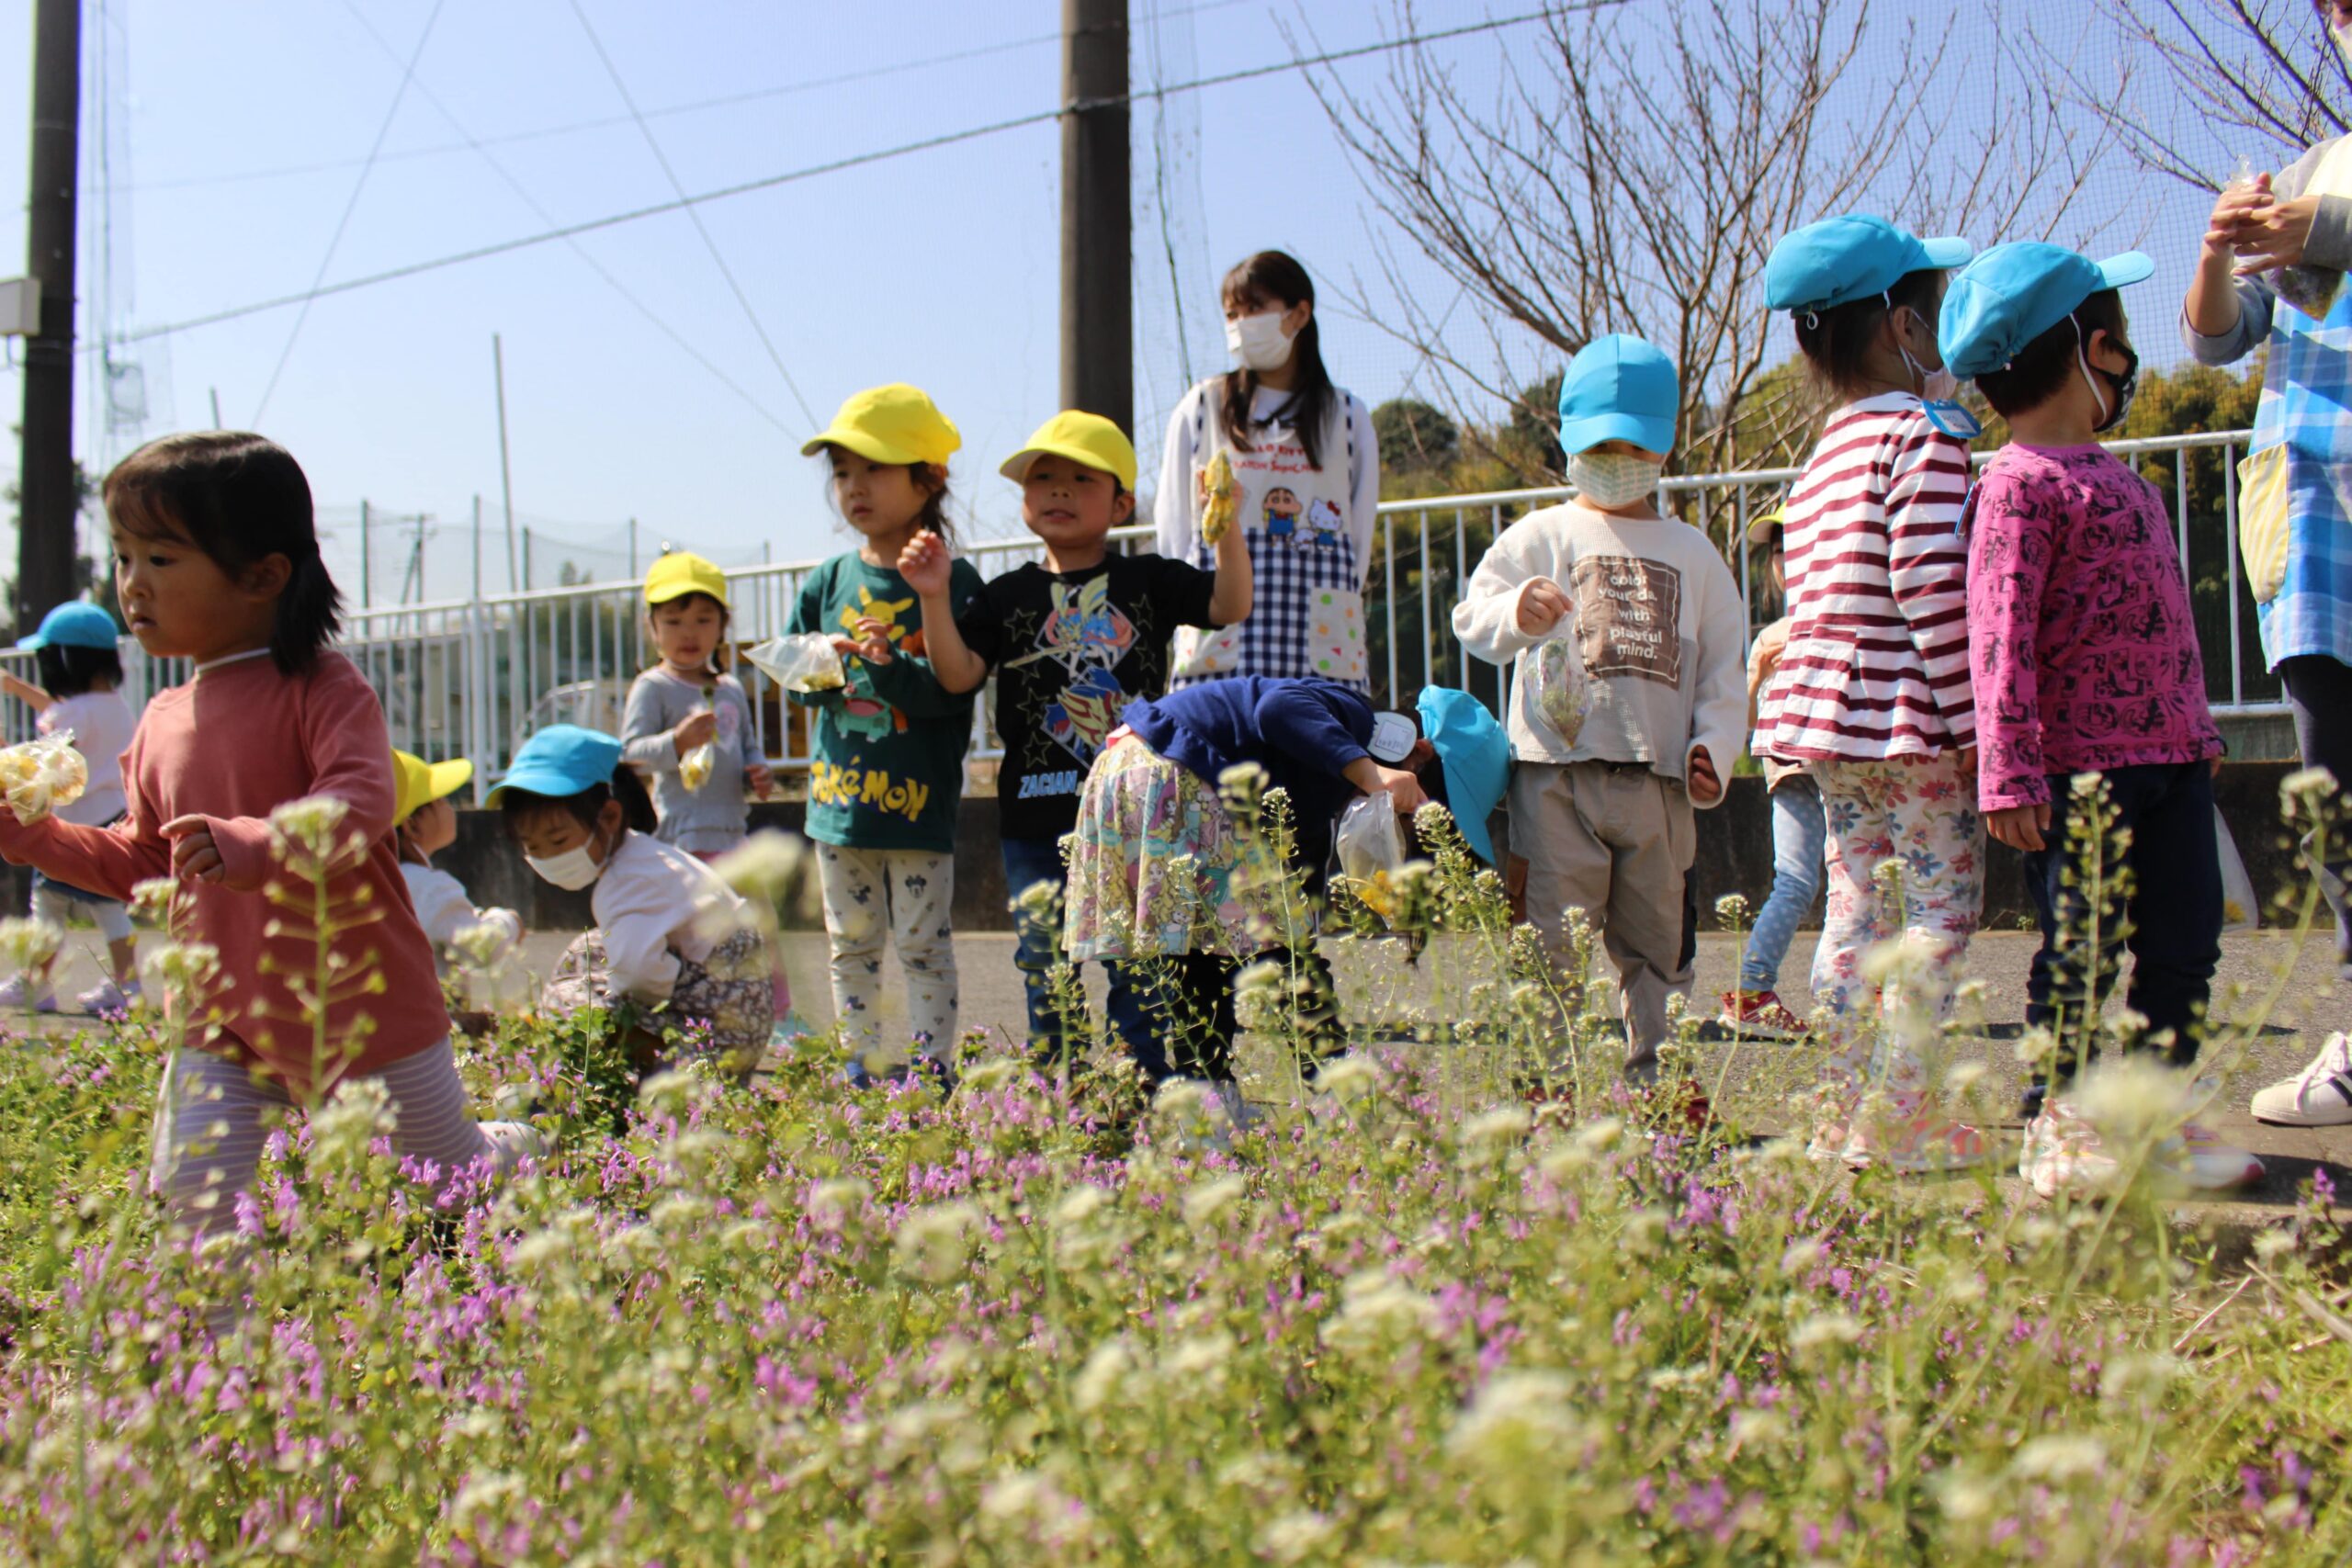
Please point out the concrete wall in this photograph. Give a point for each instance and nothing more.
(1734, 855)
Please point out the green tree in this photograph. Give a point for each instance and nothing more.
(1414, 436)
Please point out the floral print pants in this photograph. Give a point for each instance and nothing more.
(1906, 858)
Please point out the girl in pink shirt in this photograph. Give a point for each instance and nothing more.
(216, 561)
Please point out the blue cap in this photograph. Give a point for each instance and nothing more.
(1477, 758)
(1840, 260)
(1619, 389)
(2014, 293)
(560, 761)
(79, 623)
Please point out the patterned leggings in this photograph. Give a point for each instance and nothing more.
(1919, 814)
(897, 896)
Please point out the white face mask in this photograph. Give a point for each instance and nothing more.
(1258, 342)
(1612, 479)
(575, 869)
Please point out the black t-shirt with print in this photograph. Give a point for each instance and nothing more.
(1070, 652)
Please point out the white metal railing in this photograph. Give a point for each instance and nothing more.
(471, 677)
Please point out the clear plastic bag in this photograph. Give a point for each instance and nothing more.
(1563, 692)
(42, 774)
(2240, 910)
(1368, 839)
(694, 767)
(807, 662)
(1221, 500)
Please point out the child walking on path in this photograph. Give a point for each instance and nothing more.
(216, 561)
(426, 824)
(686, 703)
(889, 768)
(2086, 664)
(1601, 802)
(1072, 641)
(670, 936)
(1874, 690)
(1799, 833)
(77, 649)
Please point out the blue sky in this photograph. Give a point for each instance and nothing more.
(940, 268)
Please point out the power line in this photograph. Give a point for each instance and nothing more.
(538, 209)
(853, 161)
(604, 123)
(349, 207)
(678, 189)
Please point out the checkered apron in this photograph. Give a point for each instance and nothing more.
(1307, 615)
(2307, 406)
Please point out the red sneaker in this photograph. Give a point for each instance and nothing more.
(1759, 1015)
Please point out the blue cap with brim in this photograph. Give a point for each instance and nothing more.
(560, 761)
(1477, 758)
(1840, 260)
(2014, 293)
(76, 624)
(1619, 389)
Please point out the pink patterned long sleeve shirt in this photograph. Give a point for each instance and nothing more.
(2082, 646)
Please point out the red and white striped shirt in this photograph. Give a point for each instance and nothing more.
(1877, 663)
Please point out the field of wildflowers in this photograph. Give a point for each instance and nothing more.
(1413, 1317)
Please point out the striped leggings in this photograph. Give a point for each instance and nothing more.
(209, 1132)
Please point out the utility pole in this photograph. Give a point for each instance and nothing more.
(476, 549)
(505, 467)
(367, 576)
(1098, 319)
(47, 503)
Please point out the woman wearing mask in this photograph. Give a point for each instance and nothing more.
(1304, 473)
(2270, 274)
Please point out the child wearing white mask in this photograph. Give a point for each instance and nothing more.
(1601, 802)
(1305, 469)
(670, 937)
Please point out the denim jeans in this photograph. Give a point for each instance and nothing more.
(1799, 832)
(2175, 914)
(2319, 688)
(1028, 861)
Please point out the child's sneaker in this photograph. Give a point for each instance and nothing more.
(1759, 1015)
(2063, 1153)
(108, 999)
(2319, 1096)
(1916, 1140)
(17, 993)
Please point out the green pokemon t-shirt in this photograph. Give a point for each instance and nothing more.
(890, 746)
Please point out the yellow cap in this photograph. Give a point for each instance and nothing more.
(897, 423)
(1759, 529)
(1086, 438)
(416, 782)
(678, 574)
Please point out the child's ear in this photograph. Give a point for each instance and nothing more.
(267, 577)
(611, 819)
(1123, 508)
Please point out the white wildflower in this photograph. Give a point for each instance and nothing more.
(1294, 1536)
(1080, 1205)
(766, 866)
(933, 1243)
(1349, 1078)
(2059, 1457)
(27, 944)
(1497, 1125)
(1825, 1328)
(1378, 1310)
(2132, 1101)
(1109, 1367)
(311, 826)
(832, 1203)
(1201, 1355)
(1520, 1430)
(1205, 1202)
(2272, 1244)
(2144, 1376)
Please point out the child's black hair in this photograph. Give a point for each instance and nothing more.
(1277, 279)
(1836, 343)
(2037, 371)
(240, 498)
(70, 672)
(636, 807)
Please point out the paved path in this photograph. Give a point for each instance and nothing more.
(1377, 983)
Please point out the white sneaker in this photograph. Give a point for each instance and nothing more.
(108, 999)
(17, 993)
(2063, 1153)
(2319, 1096)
